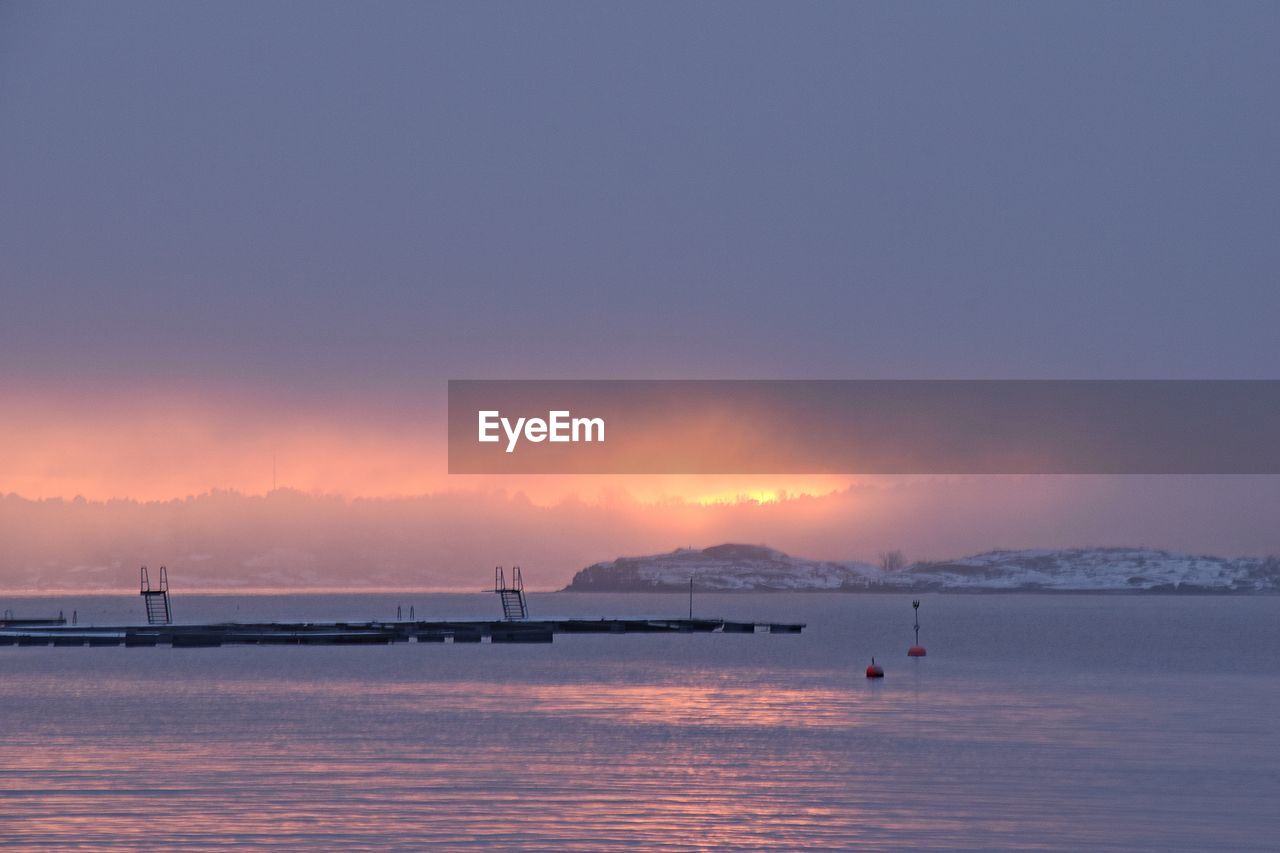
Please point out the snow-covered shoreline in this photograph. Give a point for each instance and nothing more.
(752, 568)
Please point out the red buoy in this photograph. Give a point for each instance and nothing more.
(916, 651)
(875, 671)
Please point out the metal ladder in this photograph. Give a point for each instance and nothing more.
(157, 600)
(514, 608)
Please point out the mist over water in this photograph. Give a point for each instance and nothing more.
(1035, 721)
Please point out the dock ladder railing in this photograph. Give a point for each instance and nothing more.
(157, 600)
(514, 608)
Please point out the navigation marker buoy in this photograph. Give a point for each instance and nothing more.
(916, 651)
(875, 670)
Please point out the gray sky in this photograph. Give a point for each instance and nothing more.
(365, 196)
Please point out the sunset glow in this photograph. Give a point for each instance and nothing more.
(159, 446)
(603, 427)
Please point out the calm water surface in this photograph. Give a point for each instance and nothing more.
(1035, 722)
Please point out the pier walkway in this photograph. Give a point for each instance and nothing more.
(358, 633)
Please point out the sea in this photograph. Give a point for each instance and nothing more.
(1055, 722)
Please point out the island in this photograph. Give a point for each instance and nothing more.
(756, 568)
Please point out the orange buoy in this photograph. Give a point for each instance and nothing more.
(875, 671)
(916, 652)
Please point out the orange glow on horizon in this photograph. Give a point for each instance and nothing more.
(156, 447)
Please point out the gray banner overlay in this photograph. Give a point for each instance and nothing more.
(866, 426)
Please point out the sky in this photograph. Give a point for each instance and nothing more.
(235, 231)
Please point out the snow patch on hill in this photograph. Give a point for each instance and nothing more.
(752, 567)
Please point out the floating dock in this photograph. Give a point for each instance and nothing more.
(10, 621)
(367, 633)
(514, 627)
